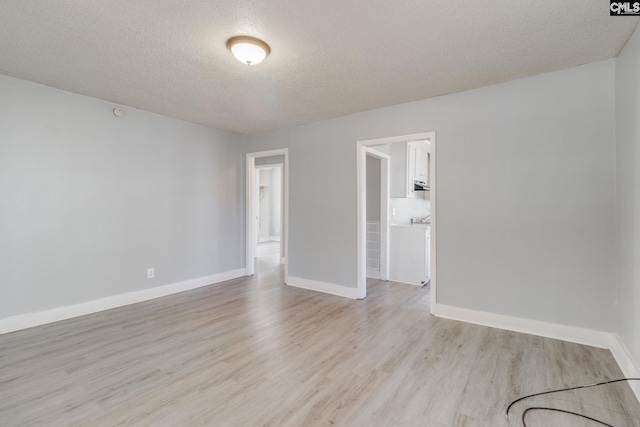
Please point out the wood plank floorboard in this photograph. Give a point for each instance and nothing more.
(254, 352)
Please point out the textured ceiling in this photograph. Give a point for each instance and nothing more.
(329, 58)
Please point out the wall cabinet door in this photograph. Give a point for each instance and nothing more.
(400, 171)
(421, 161)
(411, 169)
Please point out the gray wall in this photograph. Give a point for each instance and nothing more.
(525, 194)
(270, 160)
(373, 188)
(628, 194)
(89, 201)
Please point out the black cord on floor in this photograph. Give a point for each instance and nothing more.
(544, 408)
(561, 410)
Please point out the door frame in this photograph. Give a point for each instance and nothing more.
(385, 183)
(361, 162)
(251, 231)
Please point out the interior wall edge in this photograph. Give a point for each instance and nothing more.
(29, 320)
(627, 192)
(324, 287)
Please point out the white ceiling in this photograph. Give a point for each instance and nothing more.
(329, 58)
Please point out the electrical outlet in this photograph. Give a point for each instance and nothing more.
(151, 273)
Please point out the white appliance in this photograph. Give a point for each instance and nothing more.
(409, 253)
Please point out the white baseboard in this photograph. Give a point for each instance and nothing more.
(406, 283)
(517, 324)
(627, 364)
(374, 274)
(28, 320)
(327, 288)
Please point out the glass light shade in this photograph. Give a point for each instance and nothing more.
(248, 50)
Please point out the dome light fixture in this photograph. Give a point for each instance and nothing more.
(248, 50)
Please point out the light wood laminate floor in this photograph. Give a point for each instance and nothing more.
(254, 352)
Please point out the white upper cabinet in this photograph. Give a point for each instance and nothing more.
(400, 170)
(409, 162)
(421, 160)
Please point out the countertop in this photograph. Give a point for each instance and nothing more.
(418, 225)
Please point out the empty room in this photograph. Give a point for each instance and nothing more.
(338, 213)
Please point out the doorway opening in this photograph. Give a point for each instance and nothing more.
(269, 183)
(417, 183)
(377, 209)
(267, 207)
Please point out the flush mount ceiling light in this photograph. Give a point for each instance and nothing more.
(248, 50)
